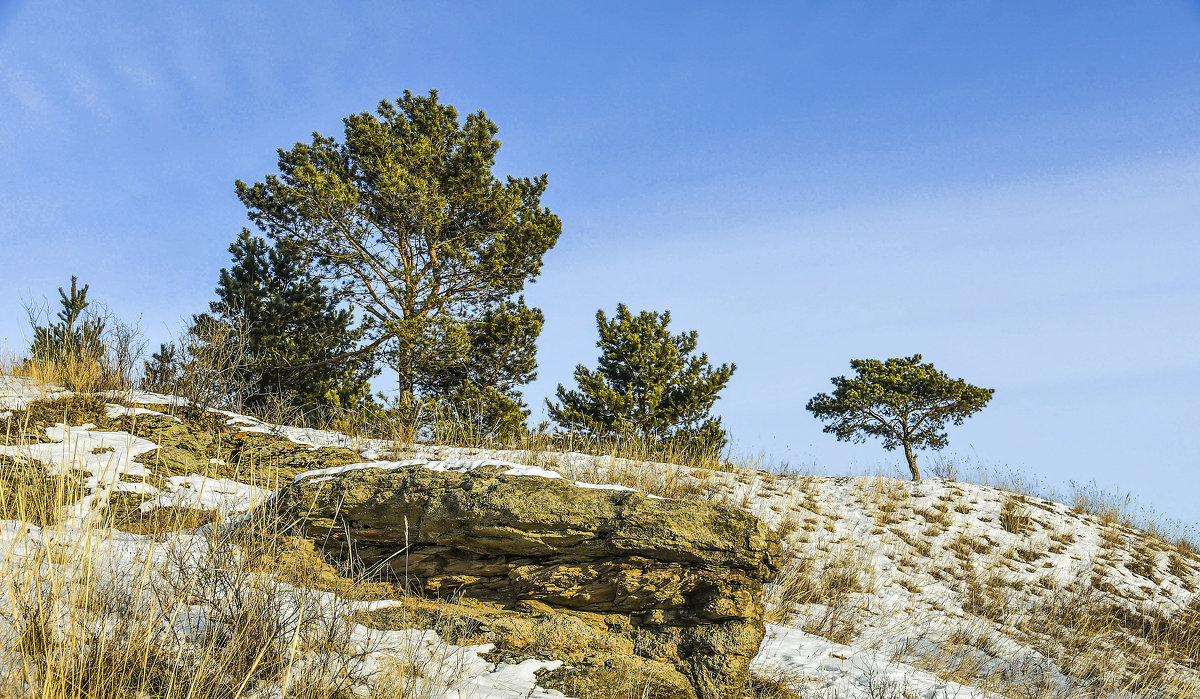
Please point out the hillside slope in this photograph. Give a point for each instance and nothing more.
(889, 589)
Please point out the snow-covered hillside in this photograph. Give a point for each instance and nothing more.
(889, 589)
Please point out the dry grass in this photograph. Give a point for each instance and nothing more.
(184, 613)
(1104, 644)
(887, 497)
(30, 493)
(775, 685)
(72, 373)
(796, 584)
(1014, 515)
(73, 409)
(823, 591)
(668, 480)
(987, 593)
(192, 617)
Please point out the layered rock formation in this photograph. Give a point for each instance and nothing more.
(670, 584)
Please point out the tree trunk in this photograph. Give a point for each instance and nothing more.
(404, 376)
(912, 461)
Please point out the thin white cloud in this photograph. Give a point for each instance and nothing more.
(24, 91)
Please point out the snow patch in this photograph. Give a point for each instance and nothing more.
(522, 470)
(848, 672)
(147, 398)
(460, 466)
(106, 457)
(16, 392)
(202, 493)
(114, 411)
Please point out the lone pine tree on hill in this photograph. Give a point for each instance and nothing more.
(407, 217)
(902, 401)
(649, 384)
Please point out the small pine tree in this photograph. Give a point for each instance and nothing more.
(479, 388)
(78, 334)
(211, 366)
(649, 384)
(300, 344)
(163, 372)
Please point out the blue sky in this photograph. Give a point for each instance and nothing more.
(1009, 189)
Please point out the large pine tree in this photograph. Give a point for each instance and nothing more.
(407, 216)
(301, 343)
(650, 384)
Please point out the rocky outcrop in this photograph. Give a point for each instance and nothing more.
(198, 443)
(671, 585)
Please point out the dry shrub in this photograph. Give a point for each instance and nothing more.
(210, 365)
(1014, 515)
(988, 594)
(773, 684)
(74, 409)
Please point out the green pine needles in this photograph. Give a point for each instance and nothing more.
(78, 334)
(300, 343)
(902, 401)
(649, 385)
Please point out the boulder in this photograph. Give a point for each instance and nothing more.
(679, 581)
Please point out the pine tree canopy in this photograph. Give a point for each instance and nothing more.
(649, 384)
(406, 216)
(902, 401)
